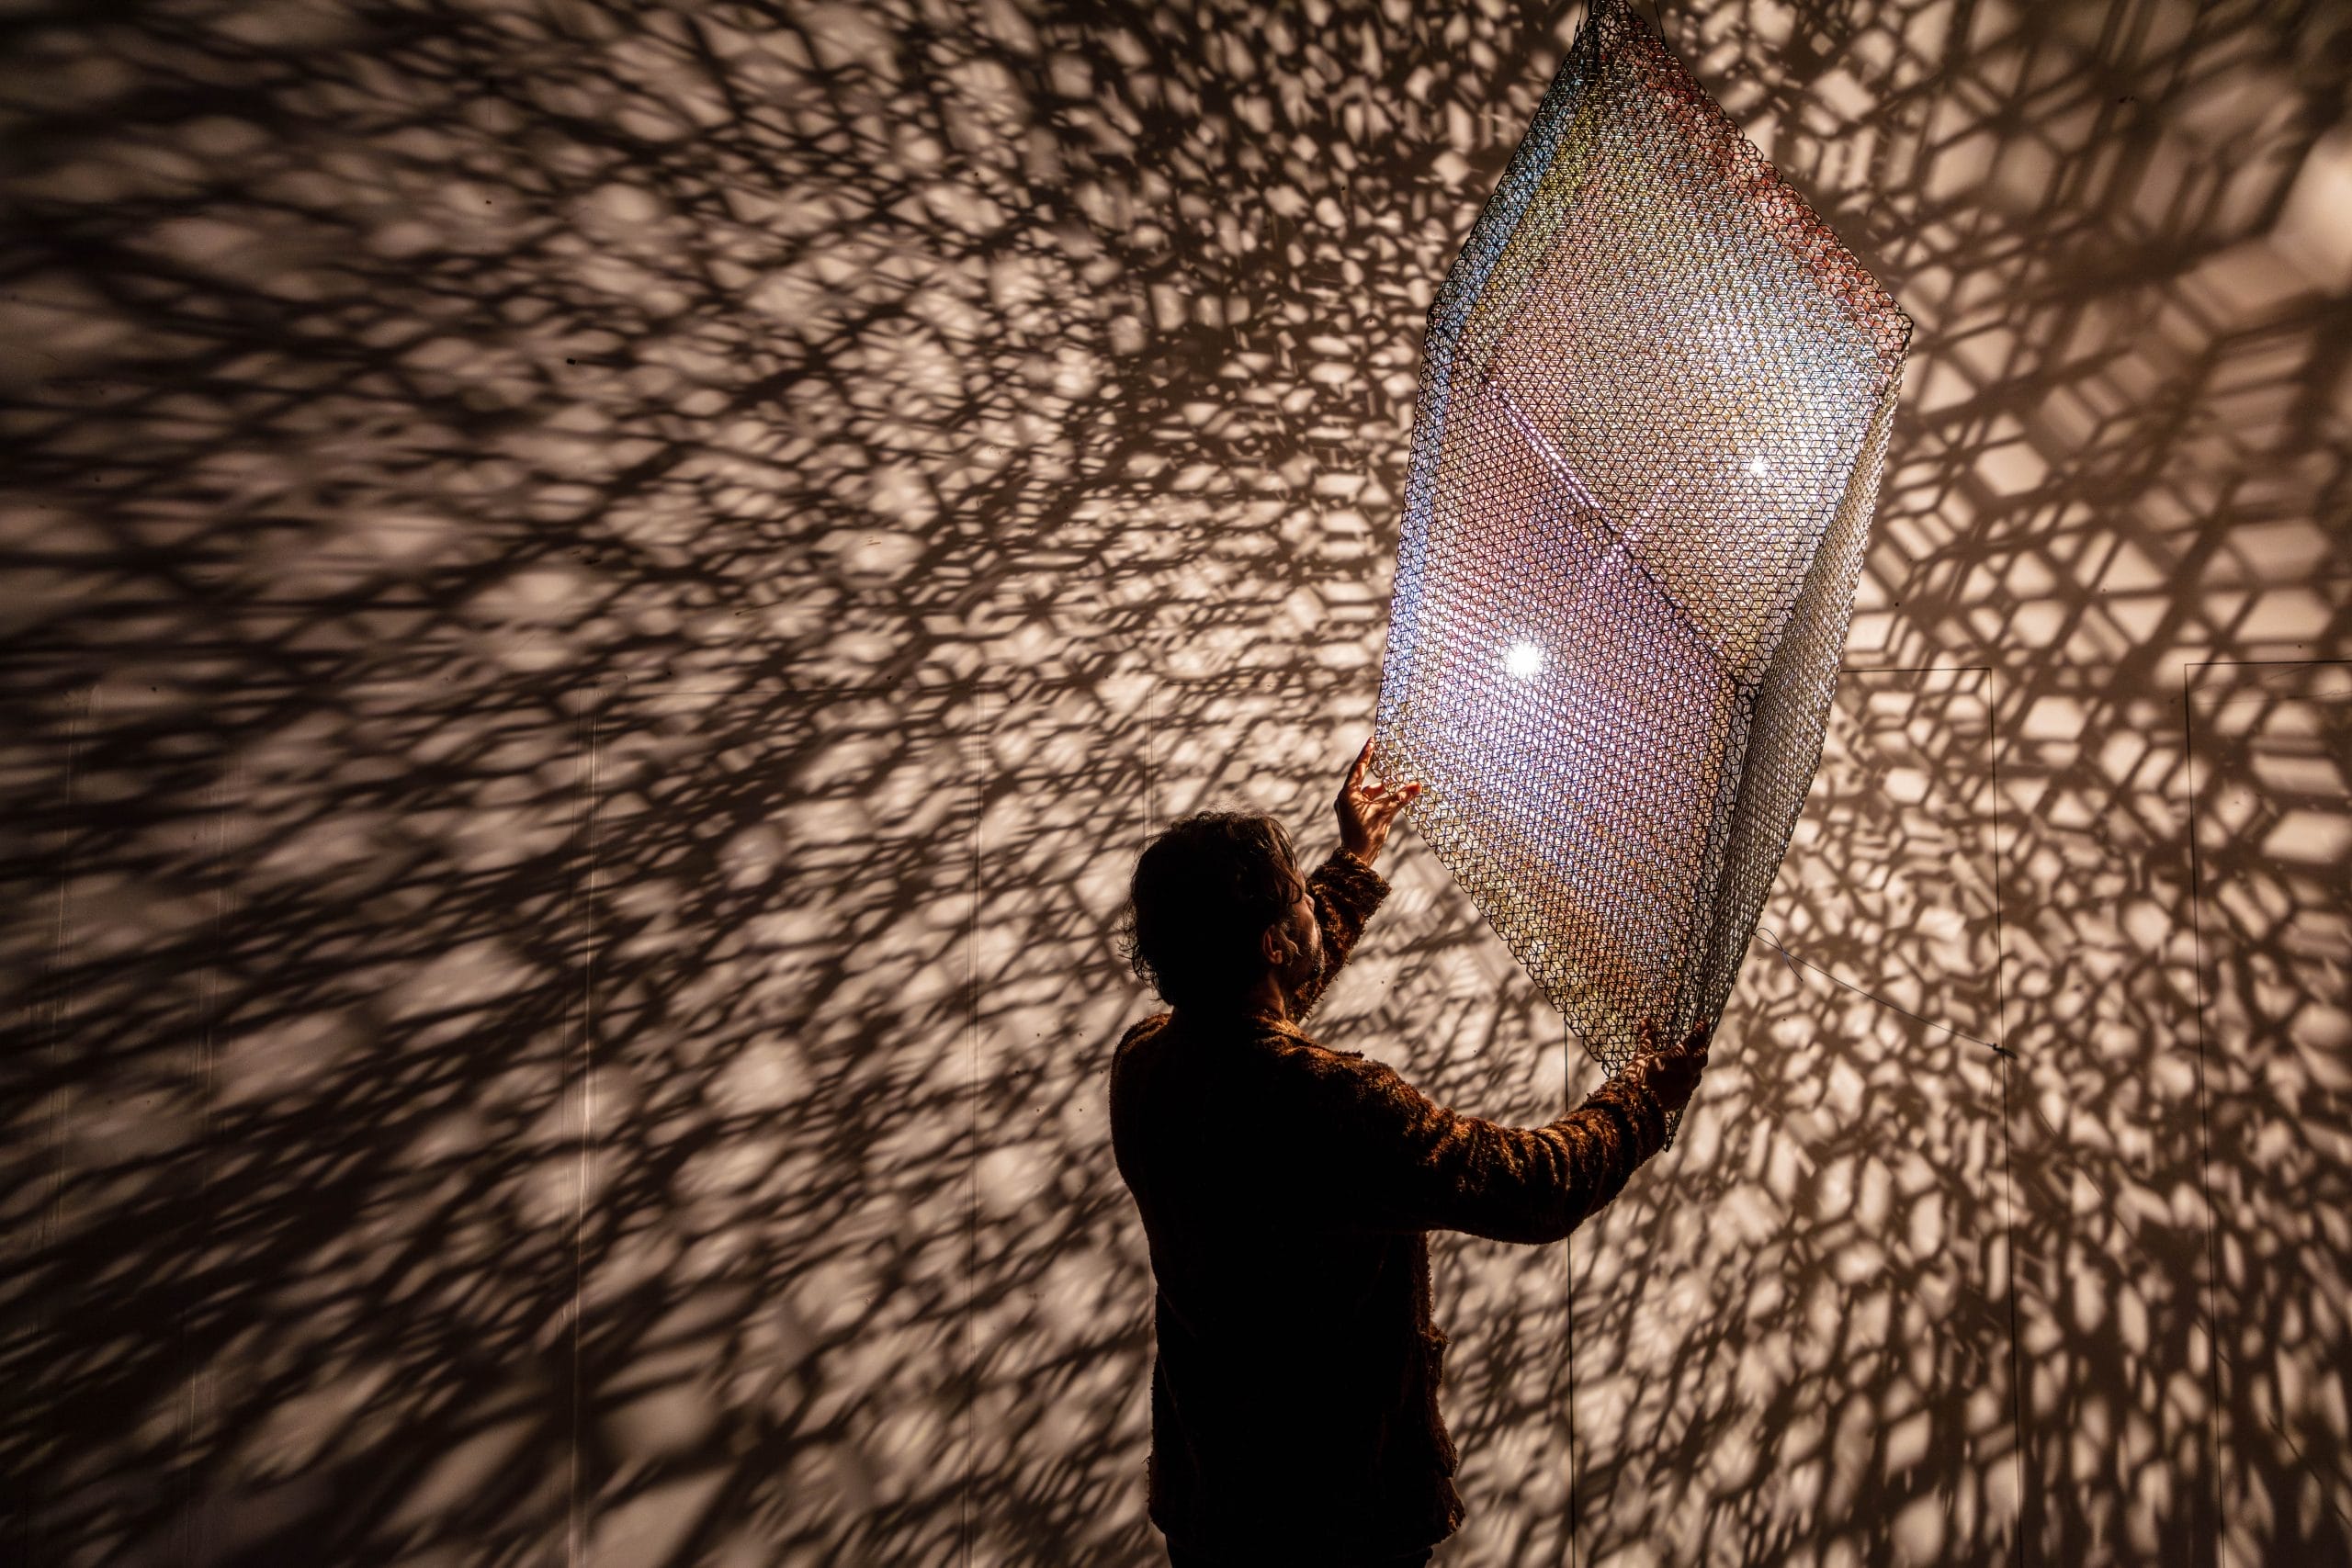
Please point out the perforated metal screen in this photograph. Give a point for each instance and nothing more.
(1653, 405)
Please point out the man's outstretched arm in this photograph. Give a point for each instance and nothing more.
(1344, 889)
(1389, 1159)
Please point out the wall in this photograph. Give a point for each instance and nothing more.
(600, 597)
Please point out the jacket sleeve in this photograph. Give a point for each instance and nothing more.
(1344, 891)
(1389, 1159)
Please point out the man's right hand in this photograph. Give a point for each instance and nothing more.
(1675, 1074)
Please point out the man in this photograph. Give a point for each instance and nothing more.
(1286, 1190)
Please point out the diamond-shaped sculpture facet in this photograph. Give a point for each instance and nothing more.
(1654, 404)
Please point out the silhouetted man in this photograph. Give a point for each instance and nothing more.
(1286, 1190)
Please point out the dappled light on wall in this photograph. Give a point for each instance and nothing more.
(600, 598)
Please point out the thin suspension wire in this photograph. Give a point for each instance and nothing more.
(1764, 934)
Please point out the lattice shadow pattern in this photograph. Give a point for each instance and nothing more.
(1653, 405)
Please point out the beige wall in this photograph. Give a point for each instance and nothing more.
(600, 598)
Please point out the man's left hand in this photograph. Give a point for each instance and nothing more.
(1367, 809)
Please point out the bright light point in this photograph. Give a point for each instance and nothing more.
(1758, 467)
(1523, 659)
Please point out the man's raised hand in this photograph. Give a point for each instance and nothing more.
(1367, 809)
(1674, 1074)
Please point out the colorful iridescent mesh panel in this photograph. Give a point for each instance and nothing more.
(1654, 404)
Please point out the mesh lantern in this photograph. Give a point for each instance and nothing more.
(1653, 405)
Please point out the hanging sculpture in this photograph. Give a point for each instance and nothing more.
(1654, 404)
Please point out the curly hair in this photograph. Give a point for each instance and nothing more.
(1203, 891)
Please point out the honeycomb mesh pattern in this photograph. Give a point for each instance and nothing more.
(1653, 405)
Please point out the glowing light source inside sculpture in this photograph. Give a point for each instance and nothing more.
(1655, 400)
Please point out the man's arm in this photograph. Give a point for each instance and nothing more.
(1388, 1158)
(1344, 891)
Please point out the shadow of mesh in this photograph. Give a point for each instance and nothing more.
(1654, 408)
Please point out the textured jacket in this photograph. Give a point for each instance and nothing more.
(1285, 1191)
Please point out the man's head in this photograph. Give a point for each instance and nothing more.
(1217, 905)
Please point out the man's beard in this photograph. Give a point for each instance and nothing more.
(1296, 982)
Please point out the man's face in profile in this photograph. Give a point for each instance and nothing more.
(1303, 961)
